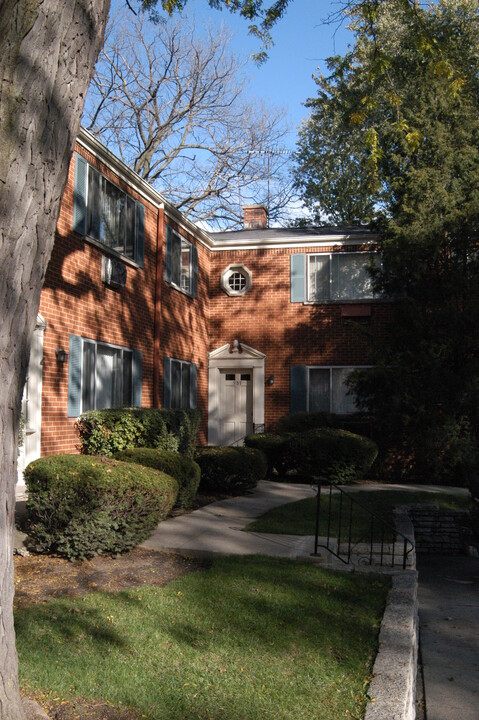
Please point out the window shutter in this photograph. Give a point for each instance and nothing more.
(136, 377)
(298, 278)
(298, 388)
(74, 376)
(194, 271)
(166, 382)
(193, 385)
(79, 195)
(168, 251)
(140, 235)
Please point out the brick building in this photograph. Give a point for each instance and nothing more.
(141, 307)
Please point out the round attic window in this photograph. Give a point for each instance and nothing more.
(236, 280)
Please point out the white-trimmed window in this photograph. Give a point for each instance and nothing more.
(236, 280)
(104, 212)
(179, 383)
(332, 277)
(181, 263)
(322, 389)
(102, 376)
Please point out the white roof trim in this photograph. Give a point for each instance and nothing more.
(226, 352)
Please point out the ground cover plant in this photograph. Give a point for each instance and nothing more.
(299, 518)
(254, 638)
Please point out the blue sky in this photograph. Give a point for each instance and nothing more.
(302, 42)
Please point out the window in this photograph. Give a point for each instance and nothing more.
(181, 263)
(236, 280)
(321, 389)
(179, 384)
(332, 277)
(105, 213)
(102, 376)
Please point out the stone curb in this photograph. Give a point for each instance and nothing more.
(392, 691)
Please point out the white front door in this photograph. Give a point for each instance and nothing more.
(236, 406)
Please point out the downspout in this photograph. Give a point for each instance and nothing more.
(156, 342)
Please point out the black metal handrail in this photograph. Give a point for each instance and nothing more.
(258, 428)
(375, 521)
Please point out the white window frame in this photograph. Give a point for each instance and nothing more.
(96, 344)
(331, 368)
(181, 363)
(127, 242)
(231, 270)
(175, 237)
(330, 298)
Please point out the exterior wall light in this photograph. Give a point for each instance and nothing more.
(61, 355)
(270, 380)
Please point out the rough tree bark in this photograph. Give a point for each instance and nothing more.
(48, 51)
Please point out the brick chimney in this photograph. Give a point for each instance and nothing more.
(255, 217)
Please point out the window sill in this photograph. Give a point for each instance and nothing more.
(177, 287)
(111, 253)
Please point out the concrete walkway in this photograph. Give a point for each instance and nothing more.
(449, 636)
(218, 528)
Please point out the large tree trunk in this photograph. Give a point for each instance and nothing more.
(48, 51)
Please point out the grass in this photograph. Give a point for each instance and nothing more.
(299, 518)
(249, 639)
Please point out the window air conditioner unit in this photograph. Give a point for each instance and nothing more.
(113, 272)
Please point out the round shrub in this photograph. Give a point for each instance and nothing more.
(79, 506)
(231, 470)
(182, 468)
(274, 446)
(302, 421)
(335, 455)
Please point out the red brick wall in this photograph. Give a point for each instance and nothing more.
(184, 333)
(74, 300)
(288, 333)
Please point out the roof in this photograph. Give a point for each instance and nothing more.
(299, 236)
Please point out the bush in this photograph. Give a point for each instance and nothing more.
(182, 468)
(79, 506)
(335, 455)
(302, 421)
(106, 432)
(274, 446)
(232, 470)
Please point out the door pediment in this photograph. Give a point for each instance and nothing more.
(233, 353)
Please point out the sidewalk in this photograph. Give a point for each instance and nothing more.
(218, 528)
(449, 636)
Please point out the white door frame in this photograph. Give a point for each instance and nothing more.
(241, 357)
(32, 394)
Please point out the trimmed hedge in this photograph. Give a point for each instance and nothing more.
(232, 470)
(274, 446)
(107, 432)
(302, 422)
(335, 455)
(80, 506)
(181, 467)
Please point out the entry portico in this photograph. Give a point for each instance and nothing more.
(236, 380)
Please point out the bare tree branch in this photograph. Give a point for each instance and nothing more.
(172, 102)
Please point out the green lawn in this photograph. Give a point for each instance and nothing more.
(299, 518)
(249, 639)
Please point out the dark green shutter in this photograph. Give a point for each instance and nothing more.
(168, 251)
(136, 377)
(74, 376)
(166, 382)
(298, 278)
(193, 384)
(194, 271)
(299, 388)
(79, 195)
(140, 235)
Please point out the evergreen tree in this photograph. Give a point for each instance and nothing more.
(408, 91)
